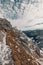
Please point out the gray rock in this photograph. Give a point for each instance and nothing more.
(5, 24)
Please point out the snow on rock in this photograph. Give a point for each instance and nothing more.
(5, 51)
(16, 48)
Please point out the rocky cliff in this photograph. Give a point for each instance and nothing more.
(16, 48)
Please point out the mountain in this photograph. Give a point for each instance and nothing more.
(36, 36)
(16, 48)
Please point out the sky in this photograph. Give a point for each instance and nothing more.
(32, 17)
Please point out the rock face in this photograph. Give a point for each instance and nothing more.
(5, 51)
(15, 47)
(5, 25)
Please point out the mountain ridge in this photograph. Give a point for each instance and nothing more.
(23, 50)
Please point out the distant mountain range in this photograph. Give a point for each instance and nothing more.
(36, 36)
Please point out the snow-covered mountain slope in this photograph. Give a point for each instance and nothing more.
(25, 14)
(16, 48)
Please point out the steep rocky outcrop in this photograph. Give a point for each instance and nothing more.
(15, 47)
(5, 25)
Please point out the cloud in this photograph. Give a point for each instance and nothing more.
(32, 17)
(12, 0)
